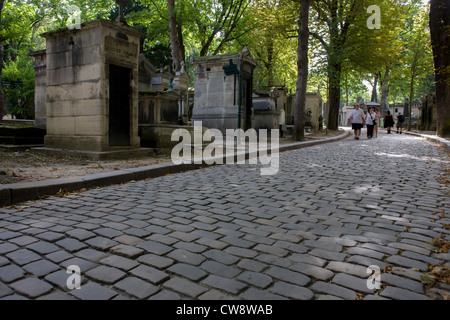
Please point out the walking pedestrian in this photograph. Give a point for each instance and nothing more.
(358, 121)
(400, 122)
(370, 118)
(376, 123)
(389, 122)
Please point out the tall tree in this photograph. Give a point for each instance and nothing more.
(417, 57)
(440, 37)
(216, 21)
(374, 51)
(272, 38)
(2, 94)
(176, 37)
(337, 16)
(302, 80)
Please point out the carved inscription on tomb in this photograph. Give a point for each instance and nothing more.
(121, 48)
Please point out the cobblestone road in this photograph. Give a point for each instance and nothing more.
(226, 232)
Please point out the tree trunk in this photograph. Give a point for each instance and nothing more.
(384, 105)
(440, 40)
(177, 47)
(334, 95)
(375, 89)
(411, 97)
(2, 94)
(270, 70)
(302, 80)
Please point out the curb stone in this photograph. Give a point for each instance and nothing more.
(20, 192)
(441, 141)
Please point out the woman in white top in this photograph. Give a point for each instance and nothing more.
(370, 118)
(376, 123)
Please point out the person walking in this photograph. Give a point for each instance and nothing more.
(389, 122)
(400, 122)
(376, 123)
(358, 121)
(370, 118)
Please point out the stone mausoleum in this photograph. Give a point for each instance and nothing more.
(216, 101)
(91, 94)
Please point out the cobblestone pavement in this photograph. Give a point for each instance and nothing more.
(226, 232)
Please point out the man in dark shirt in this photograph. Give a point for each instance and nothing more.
(400, 123)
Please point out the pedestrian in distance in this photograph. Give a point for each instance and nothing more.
(376, 123)
(370, 118)
(358, 121)
(389, 122)
(400, 123)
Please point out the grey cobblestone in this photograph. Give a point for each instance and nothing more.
(41, 268)
(155, 261)
(338, 291)
(71, 245)
(101, 243)
(23, 256)
(185, 287)
(348, 268)
(217, 268)
(119, 262)
(43, 247)
(126, 251)
(59, 256)
(136, 287)
(94, 291)
(104, 274)
(10, 273)
(288, 276)
(408, 263)
(7, 247)
(91, 255)
(84, 265)
(31, 287)
(226, 284)
(352, 282)
(328, 255)
(260, 295)
(313, 271)
(5, 290)
(292, 291)
(306, 233)
(255, 279)
(402, 294)
(188, 271)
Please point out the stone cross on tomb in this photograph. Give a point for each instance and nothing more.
(121, 4)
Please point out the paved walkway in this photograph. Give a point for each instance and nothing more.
(309, 232)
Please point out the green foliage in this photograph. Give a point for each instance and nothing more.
(268, 28)
(20, 99)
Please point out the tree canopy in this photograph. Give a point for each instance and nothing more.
(347, 58)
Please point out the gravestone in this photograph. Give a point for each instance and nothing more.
(273, 117)
(92, 87)
(266, 115)
(163, 99)
(313, 109)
